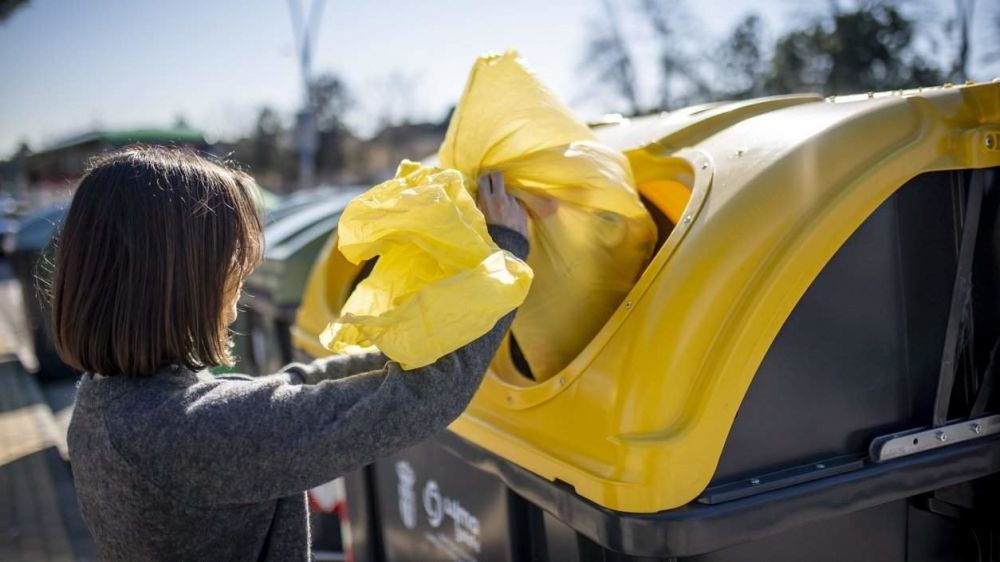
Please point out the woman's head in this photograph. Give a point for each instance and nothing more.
(153, 251)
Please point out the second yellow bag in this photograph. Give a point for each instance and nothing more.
(590, 234)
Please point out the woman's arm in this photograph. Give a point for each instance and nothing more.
(337, 366)
(499, 208)
(234, 441)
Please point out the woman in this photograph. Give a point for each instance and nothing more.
(170, 462)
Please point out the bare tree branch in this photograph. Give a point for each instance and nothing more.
(963, 21)
(607, 56)
(8, 7)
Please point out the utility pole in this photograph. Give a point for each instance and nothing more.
(306, 27)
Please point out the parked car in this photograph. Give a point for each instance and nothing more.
(32, 253)
(804, 371)
(8, 231)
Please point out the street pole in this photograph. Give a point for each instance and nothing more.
(306, 136)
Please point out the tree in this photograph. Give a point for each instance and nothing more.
(991, 54)
(801, 62)
(608, 57)
(265, 156)
(680, 80)
(864, 49)
(8, 7)
(393, 99)
(961, 26)
(741, 61)
(330, 101)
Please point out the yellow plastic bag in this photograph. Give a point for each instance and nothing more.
(590, 234)
(440, 281)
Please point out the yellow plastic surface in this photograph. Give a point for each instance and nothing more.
(330, 283)
(669, 196)
(638, 420)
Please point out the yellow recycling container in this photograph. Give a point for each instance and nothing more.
(808, 302)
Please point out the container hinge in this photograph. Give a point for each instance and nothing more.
(897, 445)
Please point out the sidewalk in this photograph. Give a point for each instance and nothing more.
(39, 519)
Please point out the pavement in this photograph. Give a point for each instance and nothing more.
(39, 517)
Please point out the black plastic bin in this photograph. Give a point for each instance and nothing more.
(272, 294)
(917, 495)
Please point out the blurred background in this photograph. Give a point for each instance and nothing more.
(320, 99)
(306, 92)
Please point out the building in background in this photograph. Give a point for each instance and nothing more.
(40, 178)
(413, 141)
(47, 176)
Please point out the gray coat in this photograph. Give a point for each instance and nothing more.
(188, 466)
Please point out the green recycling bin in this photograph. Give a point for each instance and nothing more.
(298, 201)
(272, 294)
(240, 328)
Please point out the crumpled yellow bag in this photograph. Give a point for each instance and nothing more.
(590, 234)
(440, 281)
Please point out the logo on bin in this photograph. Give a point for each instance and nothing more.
(407, 495)
(438, 506)
(432, 504)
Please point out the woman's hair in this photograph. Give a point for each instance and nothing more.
(154, 249)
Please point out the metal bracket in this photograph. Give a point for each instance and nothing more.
(781, 479)
(896, 445)
(961, 297)
(946, 509)
(986, 385)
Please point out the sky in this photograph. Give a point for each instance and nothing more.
(69, 66)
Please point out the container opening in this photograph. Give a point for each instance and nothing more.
(666, 199)
(665, 196)
(665, 185)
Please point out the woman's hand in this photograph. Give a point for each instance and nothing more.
(498, 206)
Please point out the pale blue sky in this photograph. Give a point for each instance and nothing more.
(67, 66)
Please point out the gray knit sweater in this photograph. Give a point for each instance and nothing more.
(187, 466)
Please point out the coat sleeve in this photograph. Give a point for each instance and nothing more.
(241, 441)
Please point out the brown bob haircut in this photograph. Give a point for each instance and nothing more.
(154, 249)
